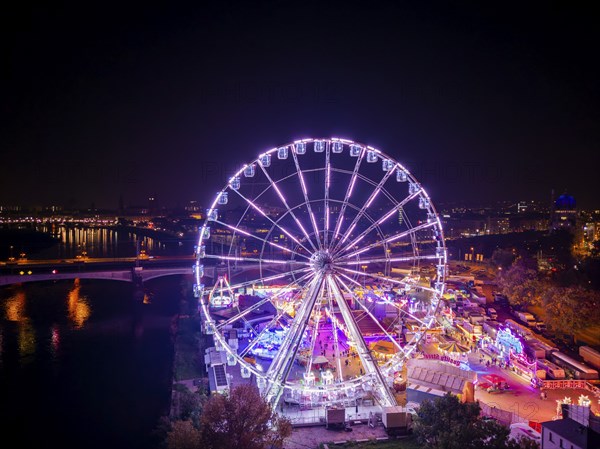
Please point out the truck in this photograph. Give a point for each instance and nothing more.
(590, 355)
(540, 326)
(396, 420)
(551, 369)
(491, 312)
(526, 318)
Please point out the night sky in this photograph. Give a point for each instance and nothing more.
(481, 101)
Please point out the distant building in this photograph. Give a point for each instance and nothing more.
(564, 213)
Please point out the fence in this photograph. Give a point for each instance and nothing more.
(506, 417)
(571, 384)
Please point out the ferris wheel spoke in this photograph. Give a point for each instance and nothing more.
(336, 341)
(264, 214)
(249, 234)
(386, 216)
(326, 196)
(252, 259)
(348, 193)
(315, 332)
(260, 303)
(388, 259)
(243, 313)
(262, 333)
(368, 312)
(387, 279)
(362, 210)
(285, 203)
(284, 359)
(414, 317)
(305, 193)
(366, 358)
(262, 280)
(385, 240)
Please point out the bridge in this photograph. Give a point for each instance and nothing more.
(131, 269)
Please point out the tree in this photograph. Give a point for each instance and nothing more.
(446, 423)
(183, 435)
(242, 419)
(502, 257)
(523, 443)
(520, 284)
(571, 309)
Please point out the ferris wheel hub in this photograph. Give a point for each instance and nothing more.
(322, 262)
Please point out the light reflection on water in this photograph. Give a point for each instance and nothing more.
(85, 362)
(79, 309)
(15, 310)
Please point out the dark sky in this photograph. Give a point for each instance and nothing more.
(483, 101)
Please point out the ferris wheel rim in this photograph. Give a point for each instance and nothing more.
(228, 188)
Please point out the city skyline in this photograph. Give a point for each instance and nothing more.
(481, 105)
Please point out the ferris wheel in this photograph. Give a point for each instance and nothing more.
(334, 263)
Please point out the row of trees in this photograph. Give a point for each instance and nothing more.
(447, 423)
(240, 419)
(568, 308)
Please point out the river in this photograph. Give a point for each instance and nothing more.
(83, 364)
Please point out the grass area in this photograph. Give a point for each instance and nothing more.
(187, 349)
(409, 442)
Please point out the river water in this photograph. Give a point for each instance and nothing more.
(85, 364)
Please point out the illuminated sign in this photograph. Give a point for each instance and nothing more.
(507, 341)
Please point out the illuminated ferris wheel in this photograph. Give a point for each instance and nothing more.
(327, 261)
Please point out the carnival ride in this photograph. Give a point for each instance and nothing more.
(310, 225)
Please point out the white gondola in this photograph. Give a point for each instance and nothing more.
(245, 372)
(300, 148)
(309, 378)
(319, 146)
(441, 270)
(413, 188)
(401, 175)
(265, 160)
(355, 150)
(205, 233)
(231, 360)
(249, 171)
(423, 203)
(202, 251)
(223, 198)
(282, 153)
(235, 183)
(387, 165)
(337, 147)
(261, 382)
(198, 270)
(212, 214)
(371, 156)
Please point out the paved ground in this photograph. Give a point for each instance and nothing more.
(311, 437)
